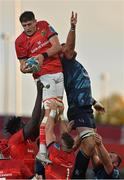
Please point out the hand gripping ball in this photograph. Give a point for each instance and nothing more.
(33, 64)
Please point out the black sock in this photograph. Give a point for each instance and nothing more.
(81, 165)
(39, 168)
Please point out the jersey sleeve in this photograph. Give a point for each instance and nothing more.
(20, 47)
(48, 29)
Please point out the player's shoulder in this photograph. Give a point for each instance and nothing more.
(21, 38)
(42, 23)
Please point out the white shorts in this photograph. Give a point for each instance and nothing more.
(56, 82)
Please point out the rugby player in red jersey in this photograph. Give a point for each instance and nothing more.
(40, 40)
(61, 154)
(22, 141)
(13, 169)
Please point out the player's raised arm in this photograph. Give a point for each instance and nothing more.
(68, 48)
(32, 125)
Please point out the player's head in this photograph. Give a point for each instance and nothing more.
(13, 124)
(28, 22)
(115, 158)
(67, 142)
(65, 49)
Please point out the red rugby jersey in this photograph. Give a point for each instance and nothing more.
(24, 150)
(62, 163)
(14, 169)
(4, 148)
(29, 46)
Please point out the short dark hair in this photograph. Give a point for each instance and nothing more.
(13, 124)
(27, 16)
(69, 141)
(119, 159)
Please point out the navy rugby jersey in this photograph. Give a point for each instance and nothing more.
(77, 84)
(100, 173)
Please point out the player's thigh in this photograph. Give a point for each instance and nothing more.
(59, 79)
(50, 92)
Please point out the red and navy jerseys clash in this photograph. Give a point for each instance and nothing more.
(29, 46)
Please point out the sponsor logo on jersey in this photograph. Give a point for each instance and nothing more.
(30, 151)
(43, 33)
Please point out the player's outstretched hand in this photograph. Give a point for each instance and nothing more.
(98, 139)
(52, 105)
(99, 107)
(73, 20)
(40, 59)
(25, 69)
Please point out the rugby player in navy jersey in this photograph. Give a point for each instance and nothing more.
(105, 164)
(80, 101)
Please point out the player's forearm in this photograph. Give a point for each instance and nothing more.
(55, 46)
(104, 155)
(77, 142)
(49, 129)
(50, 124)
(49, 53)
(54, 50)
(31, 125)
(64, 127)
(105, 158)
(70, 42)
(36, 114)
(95, 158)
